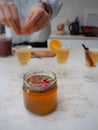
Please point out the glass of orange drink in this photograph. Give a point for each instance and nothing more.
(23, 53)
(62, 53)
(91, 61)
(40, 92)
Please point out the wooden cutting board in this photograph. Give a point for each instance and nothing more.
(44, 53)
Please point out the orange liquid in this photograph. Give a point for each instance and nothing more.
(61, 29)
(62, 55)
(40, 102)
(23, 56)
(94, 57)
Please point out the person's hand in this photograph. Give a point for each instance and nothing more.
(9, 16)
(37, 19)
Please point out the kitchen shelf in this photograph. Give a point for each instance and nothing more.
(64, 36)
(71, 37)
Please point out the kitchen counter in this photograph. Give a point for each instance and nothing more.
(71, 37)
(77, 107)
(64, 36)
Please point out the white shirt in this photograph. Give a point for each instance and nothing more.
(23, 9)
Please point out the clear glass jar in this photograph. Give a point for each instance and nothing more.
(40, 97)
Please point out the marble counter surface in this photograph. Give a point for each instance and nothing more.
(77, 99)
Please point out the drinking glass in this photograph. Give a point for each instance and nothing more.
(61, 59)
(23, 53)
(91, 61)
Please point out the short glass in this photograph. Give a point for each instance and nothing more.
(23, 53)
(61, 59)
(40, 92)
(62, 54)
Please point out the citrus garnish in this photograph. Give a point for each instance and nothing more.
(55, 44)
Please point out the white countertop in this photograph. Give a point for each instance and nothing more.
(77, 99)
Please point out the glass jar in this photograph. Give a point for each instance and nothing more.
(40, 92)
(5, 46)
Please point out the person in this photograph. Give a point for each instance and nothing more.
(29, 20)
(2, 29)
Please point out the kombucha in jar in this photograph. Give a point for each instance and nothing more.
(40, 92)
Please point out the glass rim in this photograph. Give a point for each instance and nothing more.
(39, 71)
(37, 87)
(23, 47)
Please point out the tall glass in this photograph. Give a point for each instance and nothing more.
(91, 59)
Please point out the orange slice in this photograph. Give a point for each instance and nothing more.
(55, 44)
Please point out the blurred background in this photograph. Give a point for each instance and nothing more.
(85, 10)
